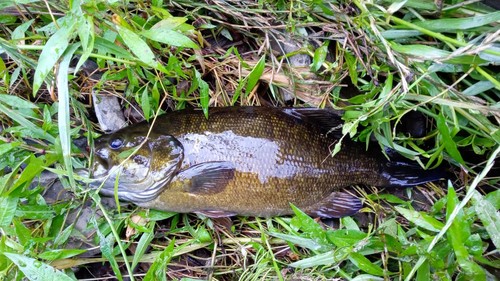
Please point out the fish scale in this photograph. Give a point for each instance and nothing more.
(253, 161)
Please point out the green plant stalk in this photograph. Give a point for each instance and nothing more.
(117, 237)
(268, 246)
(455, 212)
(489, 77)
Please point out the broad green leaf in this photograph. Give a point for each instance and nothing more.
(16, 102)
(299, 241)
(423, 273)
(421, 219)
(310, 227)
(454, 24)
(6, 147)
(60, 254)
(86, 34)
(328, 258)
(345, 237)
(143, 245)
(8, 207)
(478, 88)
(52, 51)
(352, 65)
(138, 46)
(449, 143)
(146, 107)
(36, 270)
(365, 264)
(204, 93)
(494, 198)
(107, 47)
(489, 216)
(19, 32)
(163, 32)
(254, 76)
(457, 234)
(319, 57)
(157, 270)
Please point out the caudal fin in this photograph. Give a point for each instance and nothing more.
(404, 174)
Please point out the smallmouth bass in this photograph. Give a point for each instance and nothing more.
(252, 161)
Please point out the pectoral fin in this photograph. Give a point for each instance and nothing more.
(336, 205)
(207, 178)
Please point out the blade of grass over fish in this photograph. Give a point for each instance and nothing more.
(36, 270)
(52, 51)
(63, 116)
(453, 215)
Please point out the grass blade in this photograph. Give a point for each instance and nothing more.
(36, 270)
(449, 25)
(64, 111)
(52, 51)
(255, 74)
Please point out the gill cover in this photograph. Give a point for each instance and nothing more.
(142, 167)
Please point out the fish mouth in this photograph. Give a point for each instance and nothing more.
(140, 191)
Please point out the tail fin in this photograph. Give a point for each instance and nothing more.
(404, 174)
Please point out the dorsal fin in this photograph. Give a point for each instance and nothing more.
(327, 120)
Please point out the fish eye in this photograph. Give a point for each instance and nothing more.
(116, 143)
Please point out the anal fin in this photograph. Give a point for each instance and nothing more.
(336, 205)
(216, 214)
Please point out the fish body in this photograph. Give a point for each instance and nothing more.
(253, 161)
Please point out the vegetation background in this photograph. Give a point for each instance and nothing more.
(379, 61)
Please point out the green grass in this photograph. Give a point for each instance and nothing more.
(378, 62)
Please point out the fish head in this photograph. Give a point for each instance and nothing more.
(139, 166)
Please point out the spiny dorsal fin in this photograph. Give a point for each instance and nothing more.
(328, 120)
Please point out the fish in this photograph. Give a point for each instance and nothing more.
(248, 161)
